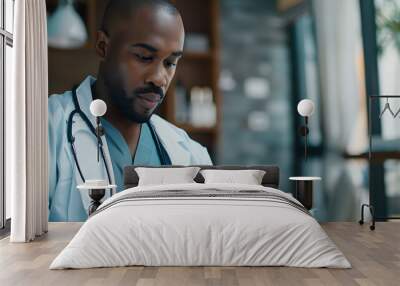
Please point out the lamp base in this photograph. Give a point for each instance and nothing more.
(96, 195)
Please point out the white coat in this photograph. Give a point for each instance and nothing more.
(66, 203)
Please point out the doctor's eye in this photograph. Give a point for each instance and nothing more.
(169, 64)
(143, 58)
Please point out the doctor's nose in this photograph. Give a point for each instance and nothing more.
(157, 77)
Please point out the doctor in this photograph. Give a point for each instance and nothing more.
(139, 45)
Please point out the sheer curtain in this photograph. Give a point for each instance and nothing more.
(26, 123)
(339, 41)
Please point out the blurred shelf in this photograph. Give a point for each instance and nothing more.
(377, 156)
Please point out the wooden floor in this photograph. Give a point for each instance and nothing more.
(374, 255)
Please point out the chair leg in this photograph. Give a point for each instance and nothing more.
(361, 221)
(372, 211)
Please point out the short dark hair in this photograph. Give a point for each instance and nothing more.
(122, 9)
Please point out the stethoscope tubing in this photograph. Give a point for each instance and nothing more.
(71, 138)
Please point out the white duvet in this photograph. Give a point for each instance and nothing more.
(183, 231)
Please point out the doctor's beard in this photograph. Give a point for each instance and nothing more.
(126, 102)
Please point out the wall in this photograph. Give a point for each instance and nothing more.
(254, 44)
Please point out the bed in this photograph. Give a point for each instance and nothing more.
(201, 224)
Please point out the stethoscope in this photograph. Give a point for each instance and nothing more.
(162, 154)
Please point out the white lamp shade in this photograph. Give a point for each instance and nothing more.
(98, 107)
(305, 107)
(65, 28)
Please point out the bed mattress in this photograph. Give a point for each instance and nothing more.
(201, 225)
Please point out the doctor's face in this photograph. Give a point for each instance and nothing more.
(139, 59)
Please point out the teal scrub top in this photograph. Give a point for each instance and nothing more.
(146, 151)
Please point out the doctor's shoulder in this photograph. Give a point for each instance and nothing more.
(198, 150)
(61, 101)
(59, 105)
(171, 129)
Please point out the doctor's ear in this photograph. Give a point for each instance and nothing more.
(102, 43)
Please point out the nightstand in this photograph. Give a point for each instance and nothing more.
(304, 190)
(96, 193)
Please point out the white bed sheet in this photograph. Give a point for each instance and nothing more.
(200, 231)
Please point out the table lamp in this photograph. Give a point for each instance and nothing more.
(305, 109)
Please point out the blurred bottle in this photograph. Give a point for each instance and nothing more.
(202, 107)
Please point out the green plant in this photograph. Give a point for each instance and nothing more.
(387, 24)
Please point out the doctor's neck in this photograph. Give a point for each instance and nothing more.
(129, 130)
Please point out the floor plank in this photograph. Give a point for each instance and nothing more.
(374, 255)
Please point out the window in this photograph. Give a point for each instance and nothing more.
(380, 24)
(6, 60)
(388, 57)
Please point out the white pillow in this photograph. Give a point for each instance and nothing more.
(248, 177)
(162, 176)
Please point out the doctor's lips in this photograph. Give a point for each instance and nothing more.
(150, 97)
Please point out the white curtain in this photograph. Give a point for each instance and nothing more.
(26, 123)
(339, 41)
